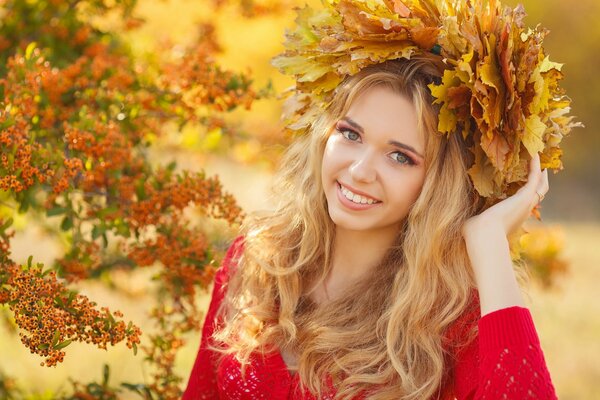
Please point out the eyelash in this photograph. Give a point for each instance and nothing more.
(410, 161)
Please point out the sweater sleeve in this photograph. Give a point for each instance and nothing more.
(202, 383)
(505, 361)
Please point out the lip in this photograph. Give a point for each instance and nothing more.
(350, 188)
(351, 205)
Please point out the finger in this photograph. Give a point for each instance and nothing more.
(534, 169)
(543, 185)
(534, 183)
(535, 166)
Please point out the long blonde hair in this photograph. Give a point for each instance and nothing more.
(384, 336)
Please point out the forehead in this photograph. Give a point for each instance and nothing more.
(387, 115)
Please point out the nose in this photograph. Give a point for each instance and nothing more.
(362, 169)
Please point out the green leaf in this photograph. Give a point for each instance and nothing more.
(59, 301)
(139, 388)
(140, 190)
(111, 319)
(66, 224)
(98, 230)
(56, 211)
(24, 206)
(62, 345)
(134, 349)
(55, 338)
(71, 297)
(6, 224)
(105, 375)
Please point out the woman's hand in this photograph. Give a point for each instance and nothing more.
(486, 238)
(510, 213)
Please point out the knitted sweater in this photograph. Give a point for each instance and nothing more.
(505, 361)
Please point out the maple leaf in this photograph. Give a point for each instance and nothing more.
(496, 147)
(482, 173)
(551, 159)
(447, 118)
(532, 135)
(450, 37)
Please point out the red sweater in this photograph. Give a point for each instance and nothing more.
(505, 361)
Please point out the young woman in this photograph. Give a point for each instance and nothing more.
(379, 274)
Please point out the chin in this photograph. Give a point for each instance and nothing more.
(350, 222)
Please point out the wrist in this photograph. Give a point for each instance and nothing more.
(476, 231)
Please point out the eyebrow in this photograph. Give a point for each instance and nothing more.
(392, 142)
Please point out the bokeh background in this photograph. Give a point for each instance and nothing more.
(566, 314)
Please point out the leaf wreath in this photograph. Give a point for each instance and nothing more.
(498, 86)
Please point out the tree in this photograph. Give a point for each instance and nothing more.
(78, 113)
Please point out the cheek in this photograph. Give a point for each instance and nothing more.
(406, 193)
(330, 159)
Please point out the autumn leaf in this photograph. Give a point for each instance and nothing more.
(482, 174)
(496, 148)
(398, 7)
(551, 159)
(532, 137)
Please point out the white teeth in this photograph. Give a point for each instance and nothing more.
(356, 198)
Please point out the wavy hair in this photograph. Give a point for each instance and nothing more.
(384, 338)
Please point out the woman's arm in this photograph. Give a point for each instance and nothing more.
(487, 245)
(506, 361)
(494, 274)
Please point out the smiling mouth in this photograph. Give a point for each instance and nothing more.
(356, 198)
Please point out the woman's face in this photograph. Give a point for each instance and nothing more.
(374, 153)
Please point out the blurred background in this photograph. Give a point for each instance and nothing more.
(567, 313)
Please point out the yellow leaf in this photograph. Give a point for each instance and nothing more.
(532, 136)
(190, 136)
(447, 120)
(440, 92)
(212, 139)
(490, 74)
(452, 38)
(464, 72)
(482, 173)
(302, 66)
(29, 50)
(546, 65)
(551, 159)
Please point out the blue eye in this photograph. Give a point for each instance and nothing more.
(350, 132)
(409, 160)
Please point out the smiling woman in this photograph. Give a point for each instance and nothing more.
(382, 272)
(344, 287)
(367, 166)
